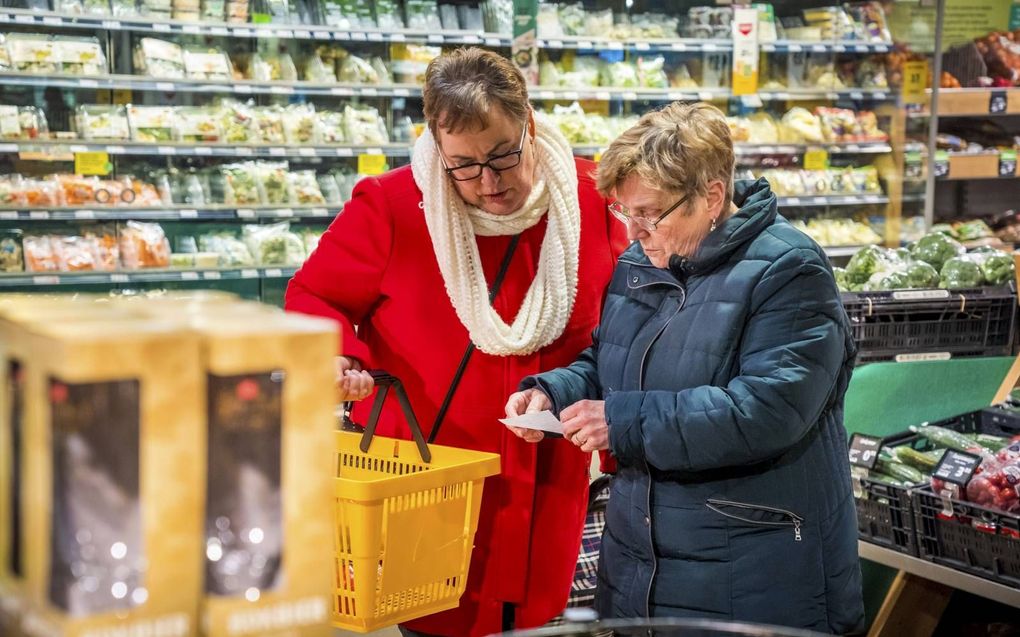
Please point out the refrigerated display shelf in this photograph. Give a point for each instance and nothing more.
(844, 46)
(171, 213)
(752, 150)
(143, 276)
(246, 30)
(235, 87)
(833, 200)
(58, 147)
(677, 45)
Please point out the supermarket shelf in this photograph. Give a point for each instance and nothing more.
(843, 46)
(142, 276)
(855, 94)
(627, 94)
(976, 166)
(234, 87)
(58, 147)
(235, 30)
(914, 198)
(833, 200)
(974, 102)
(676, 44)
(205, 213)
(753, 150)
(706, 95)
(937, 573)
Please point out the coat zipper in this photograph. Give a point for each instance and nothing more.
(648, 469)
(795, 520)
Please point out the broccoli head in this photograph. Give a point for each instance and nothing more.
(936, 248)
(959, 272)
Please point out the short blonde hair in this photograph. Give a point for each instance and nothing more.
(464, 86)
(680, 148)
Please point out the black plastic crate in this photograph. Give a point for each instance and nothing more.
(897, 324)
(973, 539)
(885, 517)
(886, 514)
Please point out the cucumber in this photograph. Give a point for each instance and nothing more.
(992, 443)
(878, 476)
(942, 437)
(911, 457)
(900, 471)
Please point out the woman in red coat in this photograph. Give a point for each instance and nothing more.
(406, 269)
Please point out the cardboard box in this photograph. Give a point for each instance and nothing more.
(269, 510)
(114, 436)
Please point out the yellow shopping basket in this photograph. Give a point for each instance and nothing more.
(406, 515)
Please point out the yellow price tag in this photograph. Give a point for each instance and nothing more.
(371, 164)
(597, 157)
(92, 163)
(816, 159)
(915, 81)
(122, 96)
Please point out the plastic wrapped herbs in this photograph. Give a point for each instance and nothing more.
(423, 15)
(33, 53)
(94, 121)
(273, 182)
(80, 56)
(387, 15)
(364, 125)
(237, 122)
(208, 64)
(269, 125)
(196, 124)
(242, 184)
(300, 124)
(304, 188)
(274, 244)
(151, 123)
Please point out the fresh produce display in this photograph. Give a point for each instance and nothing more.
(274, 244)
(159, 58)
(836, 181)
(936, 260)
(838, 232)
(101, 122)
(22, 122)
(48, 54)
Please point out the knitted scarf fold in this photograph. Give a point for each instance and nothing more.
(453, 225)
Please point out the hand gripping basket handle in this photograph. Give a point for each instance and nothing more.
(384, 382)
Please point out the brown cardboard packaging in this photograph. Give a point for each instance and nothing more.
(113, 478)
(268, 510)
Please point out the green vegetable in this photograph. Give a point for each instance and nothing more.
(922, 275)
(971, 230)
(936, 248)
(866, 263)
(914, 458)
(990, 442)
(959, 272)
(878, 476)
(903, 254)
(900, 471)
(942, 437)
(887, 281)
(943, 228)
(841, 282)
(998, 268)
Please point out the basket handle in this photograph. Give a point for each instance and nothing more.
(384, 382)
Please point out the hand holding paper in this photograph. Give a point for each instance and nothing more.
(541, 421)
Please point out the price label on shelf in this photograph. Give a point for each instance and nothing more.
(359, 36)
(957, 467)
(915, 82)
(322, 35)
(997, 102)
(941, 163)
(243, 33)
(864, 450)
(284, 213)
(203, 150)
(642, 46)
(629, 96)
(119, 278)
(245, 213)
(435, 38)
(113, 25)
(284, 34)
(274, 273)
(925, 357)
(472, 39)
(816, 159)
(9, 215)
(318, 212)
(1007, 163)
(166, 150)
(493, 42)
(369, 91)
(249, 274)
(115, 150)
(244, 151)
(24, 19)
(341, 90)
(46, 280)
(306, 152)
(398, 37)
(52, 21)
(597, 157)
(212, 275)
(161, 27)
(92, 163)
(920, 295)
(192, 29)
(678, 46)
(277, 152)
(401, 92)
(281, 90)
(303, 35)
(220, 31)
(189, 214)
(88, 83)
(857, 96)
(371, 164)
(189, 276)
(39, 215)
(84, 214)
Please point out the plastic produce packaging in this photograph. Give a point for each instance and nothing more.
(208, 64)
(330, 189)
(799, 126)
(498, 16)
(232, 251)
(33, 53)
(274, 244)
(123, 8)
(300, 124)
(269, 124)
(409, 61)
(272, 68)
(364, 125)
(317, 71)
(651, 73)
(11, 259)
(80, 56)
(619, 75)
(196, 125)
(38, 254)
(387, 15)
(241, 184)
(237, 122)
(144, 245)
(151, 123)
(22, 122)
(332, 127)
(423, 15)
(99, 122)
(159, 58)
(273, 182)
(304, 188)
(356, 70)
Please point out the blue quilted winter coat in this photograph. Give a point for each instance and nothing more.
(724, 378)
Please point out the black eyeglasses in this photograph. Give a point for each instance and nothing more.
(623, 215)
(467, 172)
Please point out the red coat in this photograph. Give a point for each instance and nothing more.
(375, 268)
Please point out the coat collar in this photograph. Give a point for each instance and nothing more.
(757, 209)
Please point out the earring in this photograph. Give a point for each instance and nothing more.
(712, 229)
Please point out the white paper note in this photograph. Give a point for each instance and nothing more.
(542, 421)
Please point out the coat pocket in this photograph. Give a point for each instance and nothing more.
(758, 515)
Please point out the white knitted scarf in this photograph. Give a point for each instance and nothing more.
(453, 224)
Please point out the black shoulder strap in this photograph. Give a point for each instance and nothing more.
(493, 291)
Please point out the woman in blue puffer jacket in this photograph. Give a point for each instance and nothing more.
(716, 379)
